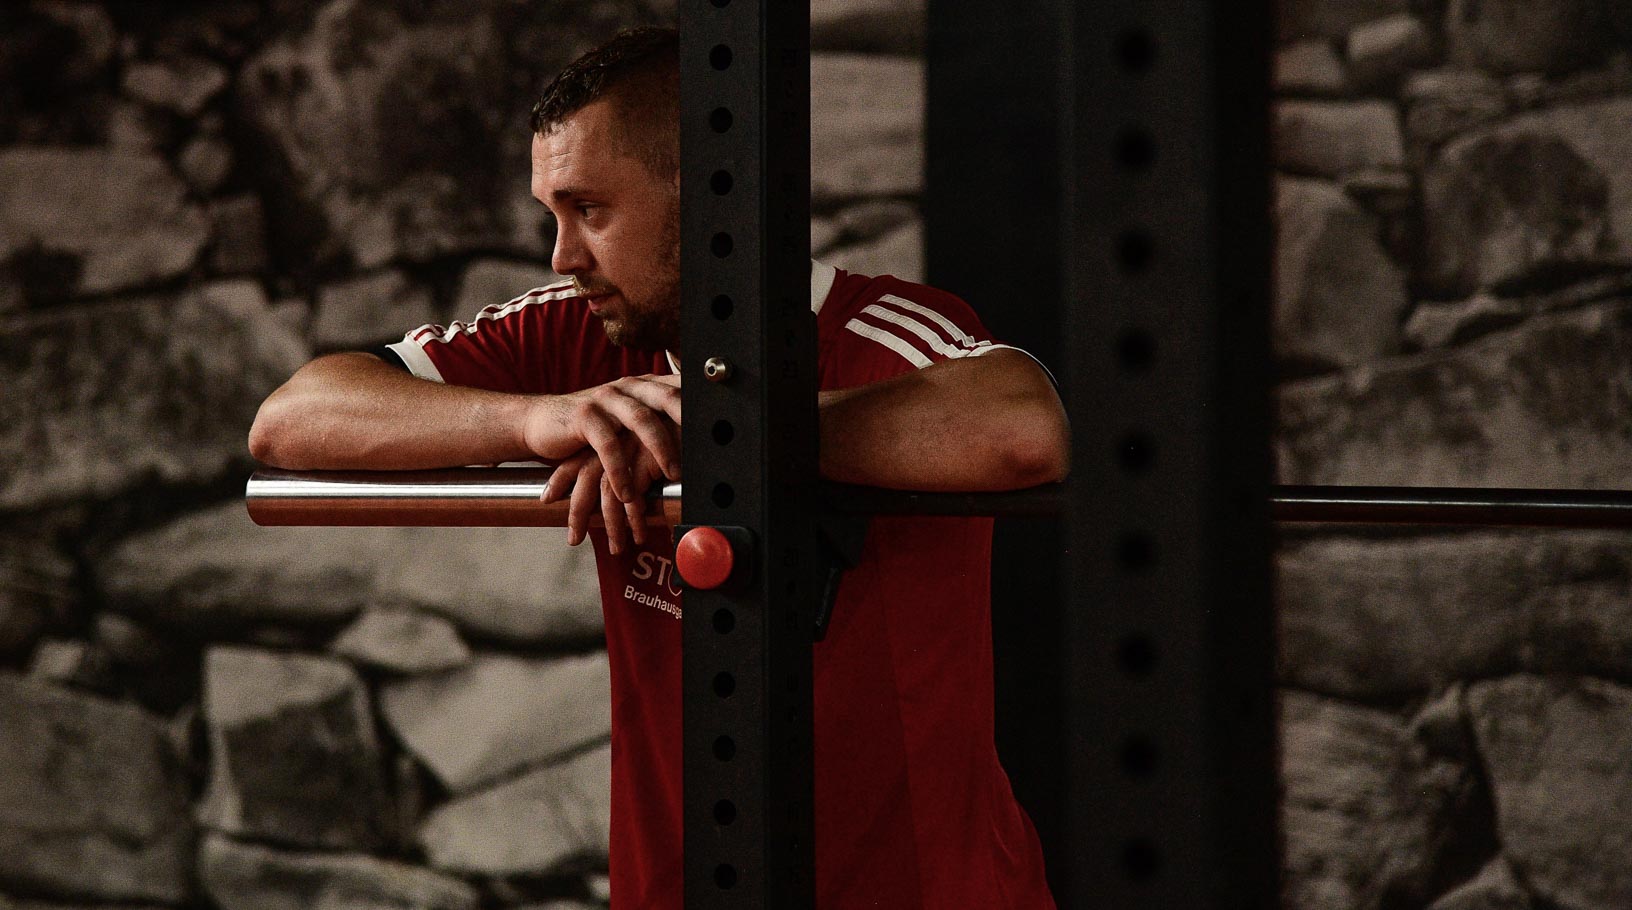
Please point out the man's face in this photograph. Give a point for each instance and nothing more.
(618, 227)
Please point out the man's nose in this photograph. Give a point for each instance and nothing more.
(571, 256)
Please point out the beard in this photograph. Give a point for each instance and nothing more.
(651, 321)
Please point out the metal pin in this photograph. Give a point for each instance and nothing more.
(717, 369)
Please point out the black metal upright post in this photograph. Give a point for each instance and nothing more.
(1169, 700)
(992, 222)
(750, 449)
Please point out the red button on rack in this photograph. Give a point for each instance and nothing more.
(705, 558)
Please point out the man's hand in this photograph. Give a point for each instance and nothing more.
(586, 478)
(605, 419)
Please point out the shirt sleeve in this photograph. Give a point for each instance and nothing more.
(501, 348)
(897, 326)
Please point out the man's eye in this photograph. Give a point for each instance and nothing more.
(585, 209)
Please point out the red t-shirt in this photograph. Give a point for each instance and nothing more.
(912, 808)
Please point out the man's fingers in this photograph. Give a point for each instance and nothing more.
(585, 495)
(600, 431)
(617, 528)
(655, 433)
(635, 511)
(562, 478)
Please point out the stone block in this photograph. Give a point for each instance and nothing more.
(293, 755)
(389, 117)
(1437, 325)
(899, 252)
(1310, 68)
(1392, 618)
(1332, 138)
(1542, 405)
(206, 162)
(1515, 36)
(1382, 52)
(1339, 298)
(73, 664)
(120, 217)
(868, 26)
(874, 218)
(867, 125)
(106, 398)
(1331, 19)
(1367, 813)
(496, 281)
(1544, 191)
(500, 714)
(37, 587)
(93, 804)
(216, 570)
(1440, 104)
(241, 876)
(548, 821)
(1494, 888)
(373, 309)
(182, 85)
(402, 641)
(238, 236)
(1558, 754)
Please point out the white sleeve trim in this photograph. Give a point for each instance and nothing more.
(952, 330)
(1009, 347)
(822, 277)
(898, 345)
(936, 343)
(418, 362)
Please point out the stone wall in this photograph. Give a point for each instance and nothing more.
(194, 199)
(1455, 308)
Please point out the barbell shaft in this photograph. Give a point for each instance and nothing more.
(510, 497)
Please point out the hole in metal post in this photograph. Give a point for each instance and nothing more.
(1135, 150)
(1136, 655)
(1134, 250)
(721, 244)
(1141, 861)
(725, 876)
(725, 748)
(724, 684)
(1136, 49)
(720, 119)
(725, 812)
(720, 182)
(720, 57)
(724, 432)
(724, 620)
(1135, 551)
(1136, 350)
(722, 307)
(1139, 757)
(724, 495)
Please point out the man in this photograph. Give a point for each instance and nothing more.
(913, 809)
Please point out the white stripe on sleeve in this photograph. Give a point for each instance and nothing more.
(898, 345)
(413, 355)
(936, 343)
(951, 329)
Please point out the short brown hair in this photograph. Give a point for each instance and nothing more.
(640, 69)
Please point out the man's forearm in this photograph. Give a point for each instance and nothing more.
(354, 411)
(979, 423)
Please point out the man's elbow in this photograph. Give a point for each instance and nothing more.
(1038, 451)
(271, 436)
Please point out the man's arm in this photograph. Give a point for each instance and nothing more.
(354, 411)
(992, 422)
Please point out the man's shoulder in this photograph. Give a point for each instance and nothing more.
(852, 293)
